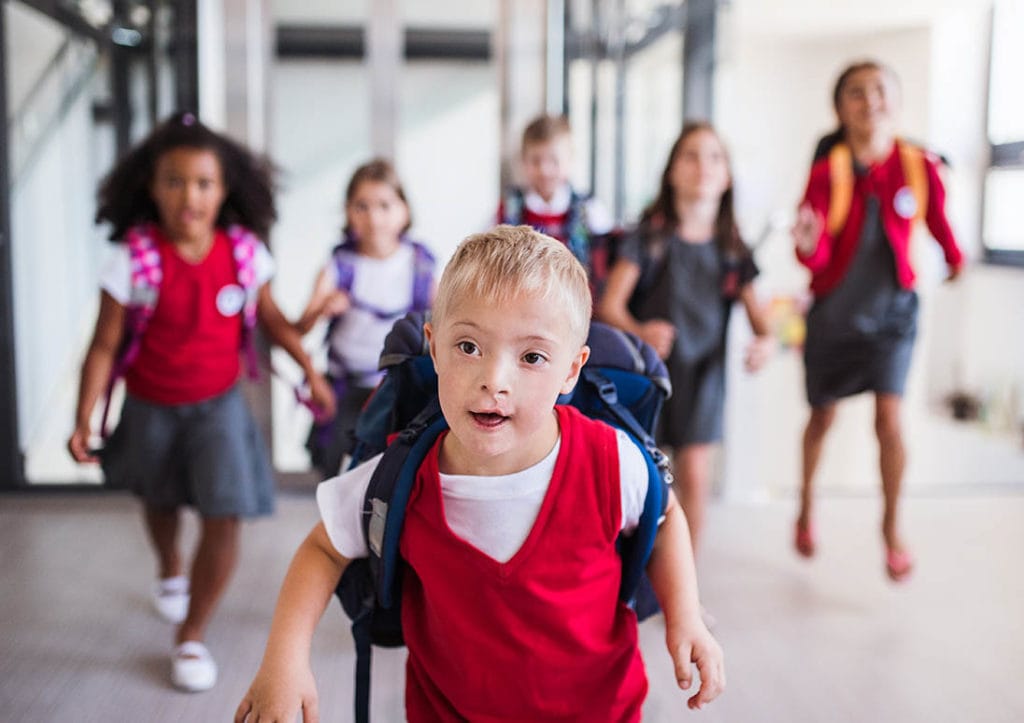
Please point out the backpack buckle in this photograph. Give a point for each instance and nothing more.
(375, 530)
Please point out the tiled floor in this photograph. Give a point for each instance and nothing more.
(828, 640)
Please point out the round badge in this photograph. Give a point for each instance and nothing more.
(905, 202)
(230, 300)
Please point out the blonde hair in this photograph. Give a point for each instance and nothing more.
(500, 264)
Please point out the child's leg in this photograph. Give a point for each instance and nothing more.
(892, 460)
(814, 437)
(162, 525)
(214, 563)
(692, 472)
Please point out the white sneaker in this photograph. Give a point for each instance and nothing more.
(171, 598)
(192, 667)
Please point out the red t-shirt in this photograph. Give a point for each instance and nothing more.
(541, 636)
(190, 350)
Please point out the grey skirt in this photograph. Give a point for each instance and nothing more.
(694, 412)
(208, 455)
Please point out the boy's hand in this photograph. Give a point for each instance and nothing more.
(278, 694)
(697, 645)
(659, 334)
(954, 272)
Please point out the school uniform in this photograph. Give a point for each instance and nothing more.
(694, 286)
(186, 435)
(863, 321)
(542, 634)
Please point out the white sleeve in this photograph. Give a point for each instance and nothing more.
(599, 221)
(340, 500)
(632, 481)
(263, 264)
(116, 274)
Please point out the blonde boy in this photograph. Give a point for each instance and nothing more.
(510, 604)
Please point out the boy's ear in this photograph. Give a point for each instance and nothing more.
(428, 332)
(575, 369)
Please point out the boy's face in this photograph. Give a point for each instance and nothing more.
(546, 165)
(500, 371)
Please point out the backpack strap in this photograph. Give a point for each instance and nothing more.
(243, 251)
(915, 175)
(383, 516)
(512, 206)
(840, 166)
(423, 277)
(840, 169)
(146, 276)
(577, 232)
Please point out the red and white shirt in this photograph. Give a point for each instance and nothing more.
(190, 350)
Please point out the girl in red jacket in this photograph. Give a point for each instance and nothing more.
(866, 189)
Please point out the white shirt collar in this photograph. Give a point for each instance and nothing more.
(558, 204)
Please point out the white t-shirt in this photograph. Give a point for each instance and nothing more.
(116, 275)
(599, 221)
(384, 284)
(494, 514)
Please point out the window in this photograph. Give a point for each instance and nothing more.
(1002, 232)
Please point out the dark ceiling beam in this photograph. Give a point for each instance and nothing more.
(347, 41)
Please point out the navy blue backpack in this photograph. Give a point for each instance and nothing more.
(624, 383)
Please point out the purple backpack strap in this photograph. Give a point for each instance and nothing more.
(243, 249)
(146, 275)
(423, 277)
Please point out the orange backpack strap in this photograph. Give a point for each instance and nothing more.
(840, 168)
(915, 175)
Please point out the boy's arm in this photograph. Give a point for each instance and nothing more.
(284, 683)
(674, 579)
(282, 333)
(96, 368)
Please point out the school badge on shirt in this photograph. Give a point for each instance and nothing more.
(905, 202)
(230, 300)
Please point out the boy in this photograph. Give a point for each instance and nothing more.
(549, 203)
(520, 502)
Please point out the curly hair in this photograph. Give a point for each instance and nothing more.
(123, 198)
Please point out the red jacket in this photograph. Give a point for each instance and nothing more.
(830, 260)
(542, 636)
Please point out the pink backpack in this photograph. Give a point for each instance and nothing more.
(146, 276)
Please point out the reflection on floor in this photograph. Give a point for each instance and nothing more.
(826, 640)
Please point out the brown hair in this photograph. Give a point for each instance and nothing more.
(545, 129)
(660, 218)
(830, 140)
(377, 170)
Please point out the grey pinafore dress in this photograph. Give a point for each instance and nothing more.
(693, 285)
(860, 336)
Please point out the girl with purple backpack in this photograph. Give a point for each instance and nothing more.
(373, 278)
(180, 298)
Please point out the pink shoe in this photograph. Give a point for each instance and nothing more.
(804, 540)
(898, 564)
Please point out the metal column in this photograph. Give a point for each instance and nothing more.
(12, 464)
(699, 60)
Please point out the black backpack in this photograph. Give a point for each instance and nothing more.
(623, 383)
